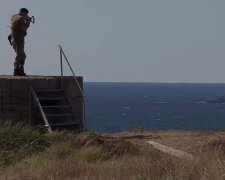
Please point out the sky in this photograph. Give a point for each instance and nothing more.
(122, 40)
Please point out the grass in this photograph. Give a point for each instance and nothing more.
(29, 154)
(86, 165)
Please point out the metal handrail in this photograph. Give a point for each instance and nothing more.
(64, 55)
(40, 109)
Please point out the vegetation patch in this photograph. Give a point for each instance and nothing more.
(65, 155)
(114, 147)
(17, 141)
(215, 145)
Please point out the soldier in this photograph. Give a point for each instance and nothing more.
(19, 26)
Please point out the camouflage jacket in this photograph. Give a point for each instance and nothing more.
(18, 26)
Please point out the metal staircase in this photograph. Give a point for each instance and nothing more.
(54, 106)
(56, 110)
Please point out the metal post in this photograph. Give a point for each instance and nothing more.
(30, 105)
(84, 117)
(73, 74)
(84, 98)
(62, 84)
(61, 65)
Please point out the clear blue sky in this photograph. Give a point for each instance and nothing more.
(122, 40)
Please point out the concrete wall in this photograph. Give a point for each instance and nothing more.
(14, 96)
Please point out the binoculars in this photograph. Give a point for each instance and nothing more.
(29, 19)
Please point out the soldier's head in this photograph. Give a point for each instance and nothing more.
(24, 12)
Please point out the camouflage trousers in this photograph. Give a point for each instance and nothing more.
(18, 46)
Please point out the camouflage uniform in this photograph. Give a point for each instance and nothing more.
(19, 27)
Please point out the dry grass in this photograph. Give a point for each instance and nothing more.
(92, 164)
(90, 156)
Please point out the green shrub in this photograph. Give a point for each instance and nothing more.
(18, 141)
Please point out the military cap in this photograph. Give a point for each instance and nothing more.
(24, 10)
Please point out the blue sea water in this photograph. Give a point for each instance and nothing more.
(116, 107)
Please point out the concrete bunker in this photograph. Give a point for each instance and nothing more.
(18, 102)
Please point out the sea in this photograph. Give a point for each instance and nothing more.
(117, 107)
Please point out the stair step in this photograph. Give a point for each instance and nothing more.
(60, 115)
(64, 124)
(54, 99)
(49, 90)
(58, 106)
(57, 109)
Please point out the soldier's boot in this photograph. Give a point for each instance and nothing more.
(16, 72)
(21, 71)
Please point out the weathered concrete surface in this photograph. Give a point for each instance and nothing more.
(15, 90)
(170, 150)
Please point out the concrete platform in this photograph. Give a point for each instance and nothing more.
(15, 96)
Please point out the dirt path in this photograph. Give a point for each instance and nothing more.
(170, 150)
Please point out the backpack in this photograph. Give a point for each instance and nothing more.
(16, 22)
